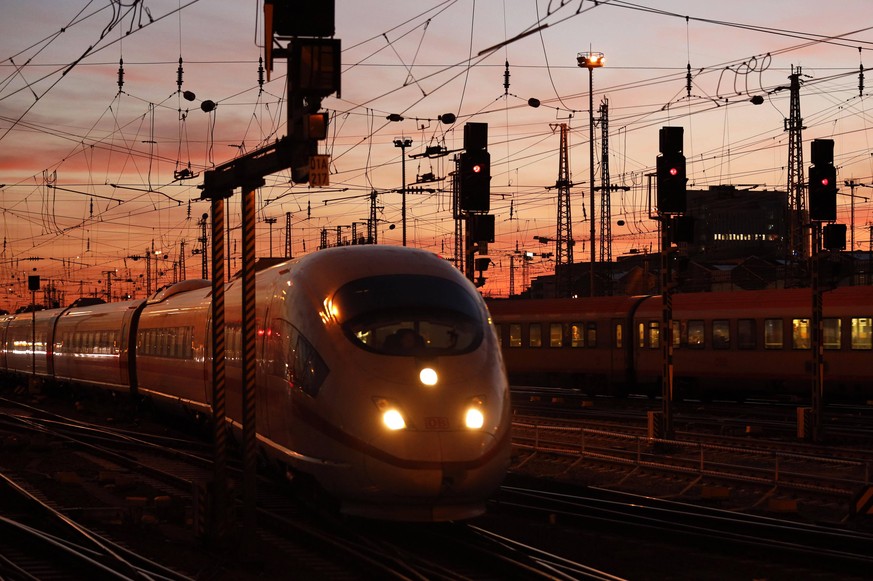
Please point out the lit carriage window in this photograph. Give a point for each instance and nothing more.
(515, 335)
(618, 335)
(654, 334)
(831, 333)
(696, 334)
(556, 334)
(721, 334)
(773, 334)
(746, 334)
(577, 335)
(862, 333)
(800, 330)
(677, 333)
(641, 335)
(535, 335)
(591, 335)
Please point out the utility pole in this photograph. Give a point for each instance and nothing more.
(564, 238)
(797, 247)
(288, 247)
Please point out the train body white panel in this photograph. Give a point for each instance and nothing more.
(378, 373)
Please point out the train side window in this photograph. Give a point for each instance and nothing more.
(773, 334)
(696, 334)
(831, 335)
(591, 335)
(746, 334)
(641, 335)
(577, 335)
(514, 335)
(676, 334)
(654, 334)
(862, 333)
(721, 334)
(535, 335)
(556, 335)
(618, 334)
(800, 338)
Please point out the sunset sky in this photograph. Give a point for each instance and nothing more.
(88, 168)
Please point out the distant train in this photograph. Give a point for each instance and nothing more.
(379, 374)
(735, 344)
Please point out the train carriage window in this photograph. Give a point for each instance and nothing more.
(773, 334)
(577, 335)
(800, 334)
(862, 333)
(618, 334)
(831, 335)
(677, 334)
(515, 335)
(535, 335)
(556, 335)
(591, 335)
(721, 334)
(696, 334)
(746, 334)
(654, 334)
(641, 335)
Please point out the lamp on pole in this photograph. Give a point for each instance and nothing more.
(591, 61)
(403, 144)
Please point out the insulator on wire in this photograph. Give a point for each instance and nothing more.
(261, 74)
(179, 73)
(120, 75)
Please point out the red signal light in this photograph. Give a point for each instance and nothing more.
(825, 181)
(476, 168)
(673, 171)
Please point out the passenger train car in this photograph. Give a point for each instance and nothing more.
(379, 373)
(735, 344)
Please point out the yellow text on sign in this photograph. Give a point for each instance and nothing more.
(319, 171)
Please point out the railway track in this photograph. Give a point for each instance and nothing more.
(138, 486)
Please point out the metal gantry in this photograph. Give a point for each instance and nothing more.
(564, 237)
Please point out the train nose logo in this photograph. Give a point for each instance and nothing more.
(436, 423)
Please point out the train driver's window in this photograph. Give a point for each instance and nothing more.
(800, 330)
(556, 335)
(831, 333)
(696, 334)
(535, 335)
(773, 334)
(514, 335)
(746, 334)
(577, 335)
(721, 334)
(862, 333)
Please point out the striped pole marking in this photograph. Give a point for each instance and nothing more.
(219, 407)
(249, 362)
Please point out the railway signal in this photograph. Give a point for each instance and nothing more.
(670, 172)
(475, 176)
(822, 181)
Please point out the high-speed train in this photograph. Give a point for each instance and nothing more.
(379, 373)
(725, 344)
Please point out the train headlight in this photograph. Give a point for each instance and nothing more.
(392, 418)
(428, 376)
(474, 417)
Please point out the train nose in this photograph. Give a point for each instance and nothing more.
(452, 466)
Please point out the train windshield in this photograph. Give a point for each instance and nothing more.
(409, 315)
